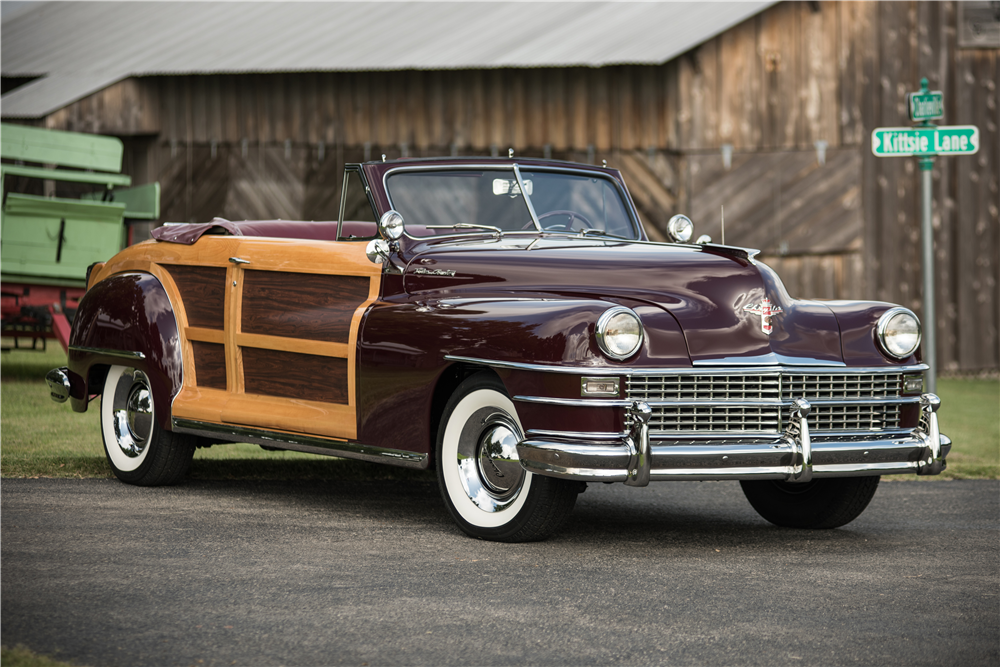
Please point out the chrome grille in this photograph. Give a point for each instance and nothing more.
(774, 391)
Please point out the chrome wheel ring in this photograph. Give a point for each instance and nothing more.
(127, 417)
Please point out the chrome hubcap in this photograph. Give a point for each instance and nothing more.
(488, 465)
(133, 413)
(499, 468)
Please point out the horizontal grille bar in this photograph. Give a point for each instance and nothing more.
(710, 393)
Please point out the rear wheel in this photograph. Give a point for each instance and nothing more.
(139, 450)
(485, 488)
(821, 503)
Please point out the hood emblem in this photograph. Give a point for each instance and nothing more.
(433, 272)
(766, 310)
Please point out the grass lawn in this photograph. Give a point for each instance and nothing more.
(40, 438)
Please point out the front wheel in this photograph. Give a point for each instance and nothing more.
(821, 503)
(485, 488)
(139, 450)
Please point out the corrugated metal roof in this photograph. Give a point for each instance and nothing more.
(82, 47)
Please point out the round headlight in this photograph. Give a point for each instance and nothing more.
(680, 229)
(390, 225)
(619, 332)
(898, 332)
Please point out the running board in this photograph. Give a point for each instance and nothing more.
(301, 443)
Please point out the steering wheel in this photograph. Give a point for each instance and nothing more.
(573, 215)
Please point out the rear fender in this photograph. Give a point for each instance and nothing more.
(126, 319)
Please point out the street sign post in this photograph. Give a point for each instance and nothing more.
(926, 141)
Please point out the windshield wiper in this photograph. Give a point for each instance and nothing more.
(600, 232)
(466, 225)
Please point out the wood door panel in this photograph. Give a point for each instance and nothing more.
(203, 291)
(209, 364)
(292, 375)
(303, 306)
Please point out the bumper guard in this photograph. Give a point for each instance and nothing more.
(635, 458)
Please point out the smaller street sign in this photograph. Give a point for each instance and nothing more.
(926, 141)
(925, 105)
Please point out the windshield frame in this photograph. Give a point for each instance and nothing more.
(515, 168)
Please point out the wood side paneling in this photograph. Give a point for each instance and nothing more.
(291, 375)
(209, 364)
(203, 290)
(293, 305)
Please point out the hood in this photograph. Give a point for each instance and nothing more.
(731, 309)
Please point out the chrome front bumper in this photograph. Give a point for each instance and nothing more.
(635, 458)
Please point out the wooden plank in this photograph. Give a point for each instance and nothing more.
(670, 105)
(850, 71)
(622, 108)
(579, 109)
(533, 117)
(479, 133)
(460, 126)
(778, 58)
(821, 113)
(437, 108)
(740, 86)
(599, 126)
(556, 113)
(293, 118)
(330, 130)
(705, 97)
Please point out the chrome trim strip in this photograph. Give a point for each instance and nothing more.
(764, 402)
(622, 190)
(576, 402)
(766, 370)
(124, 354)
(527, 198)
(517, 365)
(818, 436)
(778, 403)
(769, 359)
(302, 443)
(577, 435)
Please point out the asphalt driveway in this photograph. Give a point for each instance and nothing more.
(375, 573)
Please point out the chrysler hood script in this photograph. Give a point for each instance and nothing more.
(765, 309)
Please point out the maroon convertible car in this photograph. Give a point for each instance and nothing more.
(509, 323)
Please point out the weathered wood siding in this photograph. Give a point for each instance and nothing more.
(273, 145)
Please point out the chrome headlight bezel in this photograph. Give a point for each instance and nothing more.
(606, 335)
(390, 225)
(885, 332)
(680, 229)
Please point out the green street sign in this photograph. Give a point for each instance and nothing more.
(925, 141)
(925, 105)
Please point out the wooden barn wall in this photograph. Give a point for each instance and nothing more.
(272, 145)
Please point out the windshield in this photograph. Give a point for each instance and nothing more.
(466, 200)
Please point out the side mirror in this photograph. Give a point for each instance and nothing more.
(377, 251)
(390, 225)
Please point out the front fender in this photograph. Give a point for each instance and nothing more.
(127, 319)
(403, 347)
